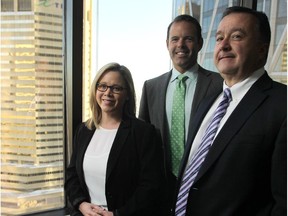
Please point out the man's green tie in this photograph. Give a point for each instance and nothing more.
(177, 133)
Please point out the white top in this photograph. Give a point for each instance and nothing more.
(95, 163)
(238, 91)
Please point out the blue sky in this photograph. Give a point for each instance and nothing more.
(133, 33)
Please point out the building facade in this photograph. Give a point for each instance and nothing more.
(208, 13)
(32, 106)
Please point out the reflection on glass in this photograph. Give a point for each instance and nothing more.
(209, 13)
(32, 106)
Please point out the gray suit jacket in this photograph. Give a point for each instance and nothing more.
(152, 105)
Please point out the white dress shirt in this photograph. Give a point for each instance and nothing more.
(238, 91)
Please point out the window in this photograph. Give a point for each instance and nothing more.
(32, 108)
(7, 5)
(24, 5)
(277, 13)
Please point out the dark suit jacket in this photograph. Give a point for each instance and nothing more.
(153, 110)
(153, 106)
(134, 170)
(245, 170)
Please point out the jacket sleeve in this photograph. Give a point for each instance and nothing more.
(73, 187)
(279, 172)
(143, 108)
(145, 200)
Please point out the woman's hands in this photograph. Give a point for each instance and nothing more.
(89, 209)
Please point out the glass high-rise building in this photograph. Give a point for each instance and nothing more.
(209, 13)
(32, 106)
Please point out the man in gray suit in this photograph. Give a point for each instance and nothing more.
(184, 41)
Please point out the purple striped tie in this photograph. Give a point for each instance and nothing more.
(195, 165)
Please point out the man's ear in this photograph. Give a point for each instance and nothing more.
(200, 44)
(264, 49)
(167, 43)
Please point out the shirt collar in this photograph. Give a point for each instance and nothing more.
(239, 89)
(191, 73)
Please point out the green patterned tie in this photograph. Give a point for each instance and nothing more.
(177, 134)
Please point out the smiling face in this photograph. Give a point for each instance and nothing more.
(183, 45)
(110, 103)
(238, 51)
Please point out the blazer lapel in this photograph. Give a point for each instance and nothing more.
(85, 139)
(240, 115)
(117, 145)
(200, 90)
(203, 86)
(162, 100)
(162, 120)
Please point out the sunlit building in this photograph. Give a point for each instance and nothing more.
(32, 106)
(209, 14)
(88, 59)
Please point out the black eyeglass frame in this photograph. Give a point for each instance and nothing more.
(116, 89)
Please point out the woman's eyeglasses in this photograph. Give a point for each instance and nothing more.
(114, 88)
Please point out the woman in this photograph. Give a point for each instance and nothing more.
(116, 167)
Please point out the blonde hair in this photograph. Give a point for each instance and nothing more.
(129, 108)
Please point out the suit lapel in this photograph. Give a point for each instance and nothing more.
(201, 91)
(202, 86)
(117, 145)
(164, 129)
(162, 100)
(85, 140)
(240, 115)
(159, 111)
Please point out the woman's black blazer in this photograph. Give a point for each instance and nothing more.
(134, 172)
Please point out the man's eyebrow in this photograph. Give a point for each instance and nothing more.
(238, 29)
(220, 32)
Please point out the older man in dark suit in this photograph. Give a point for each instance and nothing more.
(184, 41)
(235, 163)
